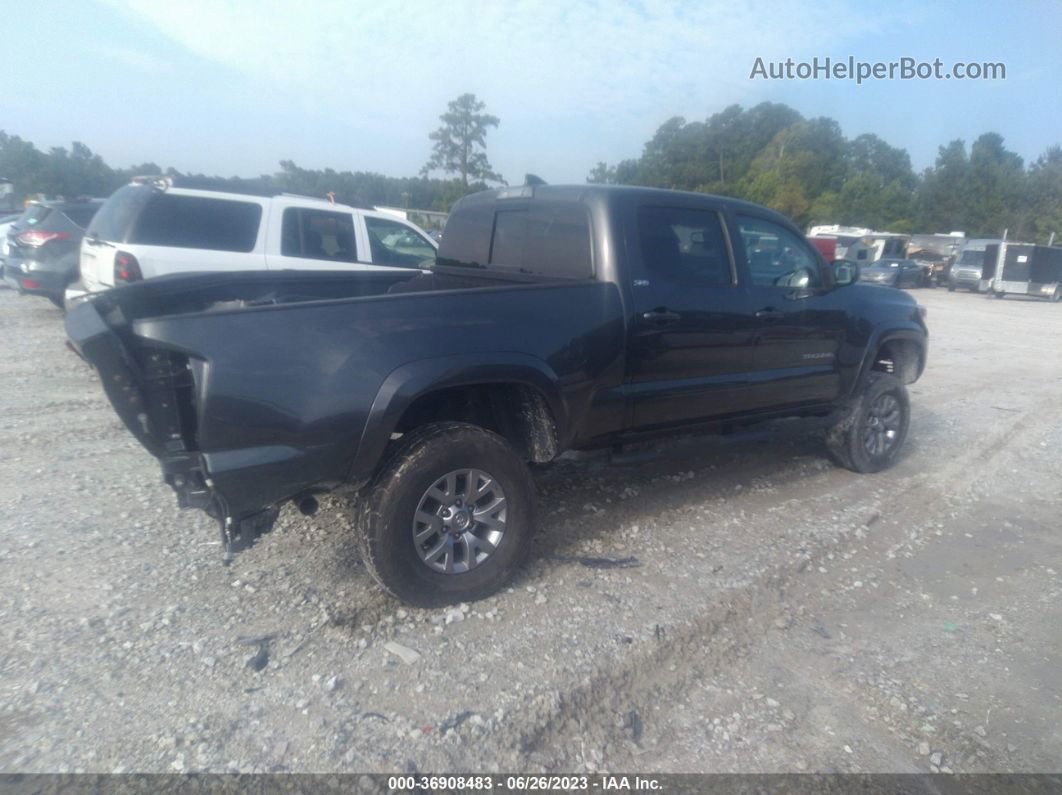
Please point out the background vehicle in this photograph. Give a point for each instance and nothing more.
(894, 273)
(841, 242)
(555, 318)
(152, 228)
(6, 221)
(857, 244)
(936, 253)
(1026, 269)
(41, 252)
(827, 246)
(972, 271)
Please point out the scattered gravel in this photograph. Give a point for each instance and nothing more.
(730, 603)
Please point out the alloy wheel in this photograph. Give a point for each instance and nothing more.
(459, 521)
(882, 427)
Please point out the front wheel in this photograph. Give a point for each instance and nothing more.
(1056, 296)
(867, 434)
(450, 516)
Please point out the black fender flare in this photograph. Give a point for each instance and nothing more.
(405, 384)
(883, 335)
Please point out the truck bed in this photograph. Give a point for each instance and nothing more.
(255, 387)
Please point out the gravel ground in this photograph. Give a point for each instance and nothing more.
(763, 611)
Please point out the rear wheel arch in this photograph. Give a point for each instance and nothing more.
(516, 411)
(514, 395)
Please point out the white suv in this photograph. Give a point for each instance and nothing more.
(151, 228)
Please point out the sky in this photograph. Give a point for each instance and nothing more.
(231, 87)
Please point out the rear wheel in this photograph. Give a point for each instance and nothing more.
(868, 433)
(450, 516)
(951, 288)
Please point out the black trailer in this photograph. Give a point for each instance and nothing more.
(1025, 269)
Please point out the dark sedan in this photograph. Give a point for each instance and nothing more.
(41, 256)
(894, 273)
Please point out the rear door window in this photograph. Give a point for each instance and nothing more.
(684, 246)
(318, 234)
(198, 222)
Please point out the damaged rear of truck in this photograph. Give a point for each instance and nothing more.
(255, 388)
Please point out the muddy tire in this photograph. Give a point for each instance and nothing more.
(449, 517)
(869, 431)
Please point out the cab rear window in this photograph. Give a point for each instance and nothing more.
(198, 222)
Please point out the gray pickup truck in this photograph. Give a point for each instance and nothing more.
(554, 318)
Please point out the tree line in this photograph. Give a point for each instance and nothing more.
(459, 149)
(769, 153)
(80, 172)
(807, 170)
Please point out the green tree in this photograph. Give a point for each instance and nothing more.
(868, 154)
(995, 189)
(602, 174)
(941, 198)
(733, 139)
(1044, 190)
(674, 157)
(461, 142)
(801, 163)
(981, 194)
(877, 189)
(22, 163)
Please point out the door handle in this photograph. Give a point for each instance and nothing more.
(769, 313)
(661, 316)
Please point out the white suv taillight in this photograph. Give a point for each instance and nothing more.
(126, 268)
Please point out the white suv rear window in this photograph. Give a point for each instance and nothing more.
(198, 222)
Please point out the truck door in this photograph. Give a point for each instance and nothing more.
(303, 237)
(798, 325)
(691, 337)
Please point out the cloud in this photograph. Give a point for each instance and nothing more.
(553, 59)
(382, 67)
(138, 60)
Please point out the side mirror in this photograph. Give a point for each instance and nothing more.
(844, 272)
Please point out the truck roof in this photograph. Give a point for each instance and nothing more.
(586, 193)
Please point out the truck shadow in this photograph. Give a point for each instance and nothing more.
(587, 501)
